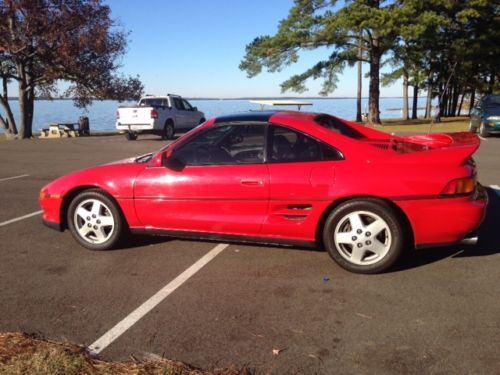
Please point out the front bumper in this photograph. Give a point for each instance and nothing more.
(445, 220)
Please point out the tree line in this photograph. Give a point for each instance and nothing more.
(448, 48)
(44, 42)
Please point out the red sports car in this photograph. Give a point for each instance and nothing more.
(282, 177)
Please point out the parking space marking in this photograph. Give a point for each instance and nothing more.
(484, 139)
(105, 340)
(20, 218)
(14, 177)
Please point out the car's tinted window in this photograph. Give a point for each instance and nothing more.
(287, 145)
(186, 105)
(225, 144)
(338, 126)
(178, 104)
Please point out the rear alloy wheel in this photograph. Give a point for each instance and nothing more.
(95, 221)
(364, 236)
(168, 131)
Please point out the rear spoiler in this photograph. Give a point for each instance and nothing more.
(444, 148)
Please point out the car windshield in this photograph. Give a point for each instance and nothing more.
(491, 104)
(338, 126)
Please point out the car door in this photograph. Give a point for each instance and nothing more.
(215, 182)
(192, 116)
(302, 174)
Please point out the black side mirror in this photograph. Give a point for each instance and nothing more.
(171, 162)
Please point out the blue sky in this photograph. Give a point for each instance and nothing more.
(193, 48)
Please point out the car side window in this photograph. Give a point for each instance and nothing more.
(178, 104)
(225, 145)
(186, 105)
(287, 145)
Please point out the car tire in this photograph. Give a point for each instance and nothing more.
(472, 129)
(131, 136)
(364, 236)
(168, 131)
(483, 132)
(95, 221)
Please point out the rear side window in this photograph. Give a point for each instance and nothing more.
(337, 126)
(287, 145)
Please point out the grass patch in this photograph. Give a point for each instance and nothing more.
(420, 125)
(24, 354)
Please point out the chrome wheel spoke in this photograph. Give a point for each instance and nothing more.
(96, 208)
(84, 231)
(83, 212)
(344, 237)
(106, 221)
(376, 227)
(100, 234)
(355, 220)
(378, 247)
(357, 254)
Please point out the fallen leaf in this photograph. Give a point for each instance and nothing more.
(277, 352)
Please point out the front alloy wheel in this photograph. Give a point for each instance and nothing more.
(363, 236)
(94, 220)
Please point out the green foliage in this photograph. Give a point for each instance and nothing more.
(448, 46)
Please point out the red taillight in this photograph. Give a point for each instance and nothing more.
(117, 115)
(154, 113)
(460, 186)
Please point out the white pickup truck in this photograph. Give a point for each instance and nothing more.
(161, 115)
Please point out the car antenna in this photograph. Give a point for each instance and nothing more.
(440, 98)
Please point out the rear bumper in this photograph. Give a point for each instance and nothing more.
(445, 220)
(137, 128)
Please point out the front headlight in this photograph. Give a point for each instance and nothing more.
(493, 118)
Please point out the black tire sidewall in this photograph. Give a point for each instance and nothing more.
(482, 131)
(117, 217)
(377, 207)
(165, 134)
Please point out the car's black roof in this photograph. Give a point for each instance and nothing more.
(257, 116)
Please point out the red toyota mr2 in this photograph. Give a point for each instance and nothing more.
(282, 177)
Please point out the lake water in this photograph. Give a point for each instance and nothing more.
(102, 114)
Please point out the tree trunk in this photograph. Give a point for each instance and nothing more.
(405, 95)
(9, 123)
(374, 90)
(472, 99)
(461, 103)
(428, 104)
(415, 102)
(26, 103)
(360, 78)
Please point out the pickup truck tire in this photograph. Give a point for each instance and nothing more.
(168, 130)
(131, 136)
(483, 132)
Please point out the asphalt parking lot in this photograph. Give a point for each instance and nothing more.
(438, 312)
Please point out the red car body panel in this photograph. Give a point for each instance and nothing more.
(288, 201)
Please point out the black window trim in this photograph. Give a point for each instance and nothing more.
(268, 146)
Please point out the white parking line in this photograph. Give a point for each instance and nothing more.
(105, 340)
(13, 178)
(20, 218)
(482, 138)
